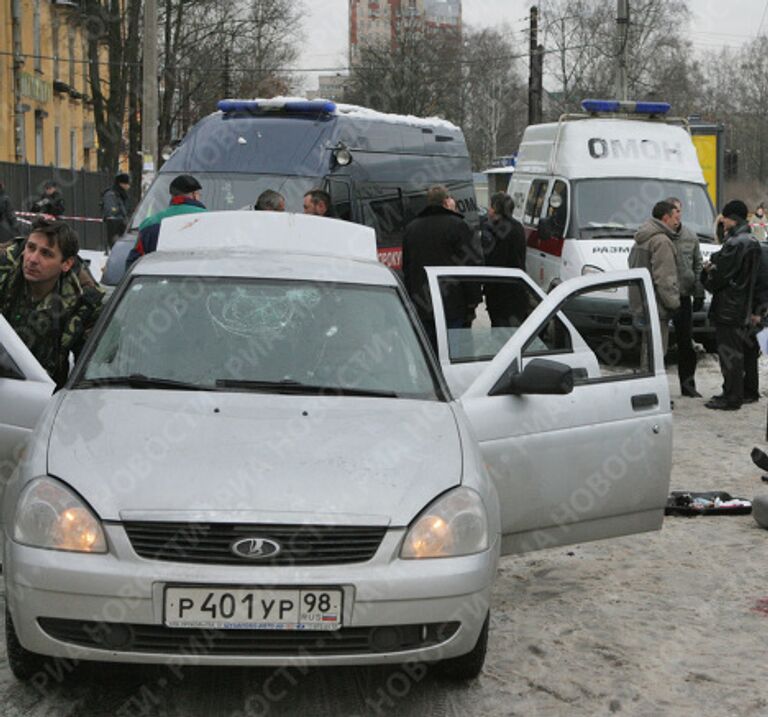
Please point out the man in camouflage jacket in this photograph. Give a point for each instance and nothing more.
(43, 299)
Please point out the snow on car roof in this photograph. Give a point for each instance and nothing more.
(266, 244)
(283, 232)
(369, 114)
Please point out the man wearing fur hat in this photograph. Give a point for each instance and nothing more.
(730, 277)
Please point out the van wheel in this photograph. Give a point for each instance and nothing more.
(469, 666)
(23, 663)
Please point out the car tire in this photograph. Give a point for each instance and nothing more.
(469, 666)
(23, 663)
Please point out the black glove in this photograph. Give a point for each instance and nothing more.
(698, 303)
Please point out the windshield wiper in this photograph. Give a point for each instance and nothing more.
(139, 380)
(290, 386)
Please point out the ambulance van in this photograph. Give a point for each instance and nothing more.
(583, 186)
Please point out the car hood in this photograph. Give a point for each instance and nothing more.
(251, 457)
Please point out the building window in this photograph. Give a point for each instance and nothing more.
(57, 146)
(39, 158)
(38, 43)
(55, 44)
(72, 56)
(85, 66)
(73, 149)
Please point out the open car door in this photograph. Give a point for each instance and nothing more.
(25, 389)
(576, 431)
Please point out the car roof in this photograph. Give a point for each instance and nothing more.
(266, 245)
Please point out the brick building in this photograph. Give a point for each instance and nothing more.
(46, 115)
(373, 22)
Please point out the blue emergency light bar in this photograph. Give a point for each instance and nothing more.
(630, 108)
(292, 106)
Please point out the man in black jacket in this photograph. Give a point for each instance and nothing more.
(439, 236)
(9, 227)
(116, 207)
(730, 277)
(51, 201)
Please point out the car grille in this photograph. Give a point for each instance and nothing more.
(121, 637)
(211, 542)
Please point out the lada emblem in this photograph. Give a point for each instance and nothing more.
(255, 548)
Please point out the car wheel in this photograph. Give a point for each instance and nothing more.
(23, 663)
(469, 666)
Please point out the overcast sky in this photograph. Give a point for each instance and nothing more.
(715, 23)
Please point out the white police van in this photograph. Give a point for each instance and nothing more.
(583, 186)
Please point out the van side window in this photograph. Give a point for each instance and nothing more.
(535, 201)
(387, 217)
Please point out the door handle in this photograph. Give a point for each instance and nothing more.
(645, 400)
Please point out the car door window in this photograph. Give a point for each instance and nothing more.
(482, 313)
(614, 333)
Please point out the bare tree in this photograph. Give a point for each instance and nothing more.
(580, 38)
(213, 49)
(111, 26)
(494, 107)
(413, 73)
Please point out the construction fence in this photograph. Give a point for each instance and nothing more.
(81, 191)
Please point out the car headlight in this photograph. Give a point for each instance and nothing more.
(455, 524)
(50, 515)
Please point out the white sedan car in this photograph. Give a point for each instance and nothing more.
(258, 460)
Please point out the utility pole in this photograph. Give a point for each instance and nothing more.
(536, 75)
(149, 114)
(622, 48)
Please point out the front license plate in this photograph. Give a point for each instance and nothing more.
(253, 608)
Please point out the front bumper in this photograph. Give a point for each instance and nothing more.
(110, 607)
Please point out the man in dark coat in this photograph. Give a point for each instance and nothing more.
(116, 208)
(730, 277)
(504, 245)
(51, 202)
(439, 236)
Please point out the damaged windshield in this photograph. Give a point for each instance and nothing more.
(275, 336)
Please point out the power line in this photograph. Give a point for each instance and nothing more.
(287, 70)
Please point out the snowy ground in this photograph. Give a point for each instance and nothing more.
(671, 623)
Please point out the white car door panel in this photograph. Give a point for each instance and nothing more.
(589, 464)
(25, 389)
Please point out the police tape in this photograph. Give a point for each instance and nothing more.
(51, 216)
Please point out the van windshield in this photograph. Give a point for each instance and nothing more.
(604, 208)
(223, 191)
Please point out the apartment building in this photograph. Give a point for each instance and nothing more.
(373, 22)
(46, 113)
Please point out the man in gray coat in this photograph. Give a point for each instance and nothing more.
(689, 266)
(654, 250)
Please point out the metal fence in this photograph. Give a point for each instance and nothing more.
(81, 191)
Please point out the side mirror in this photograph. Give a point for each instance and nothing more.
(8, 367)
(539, 377)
